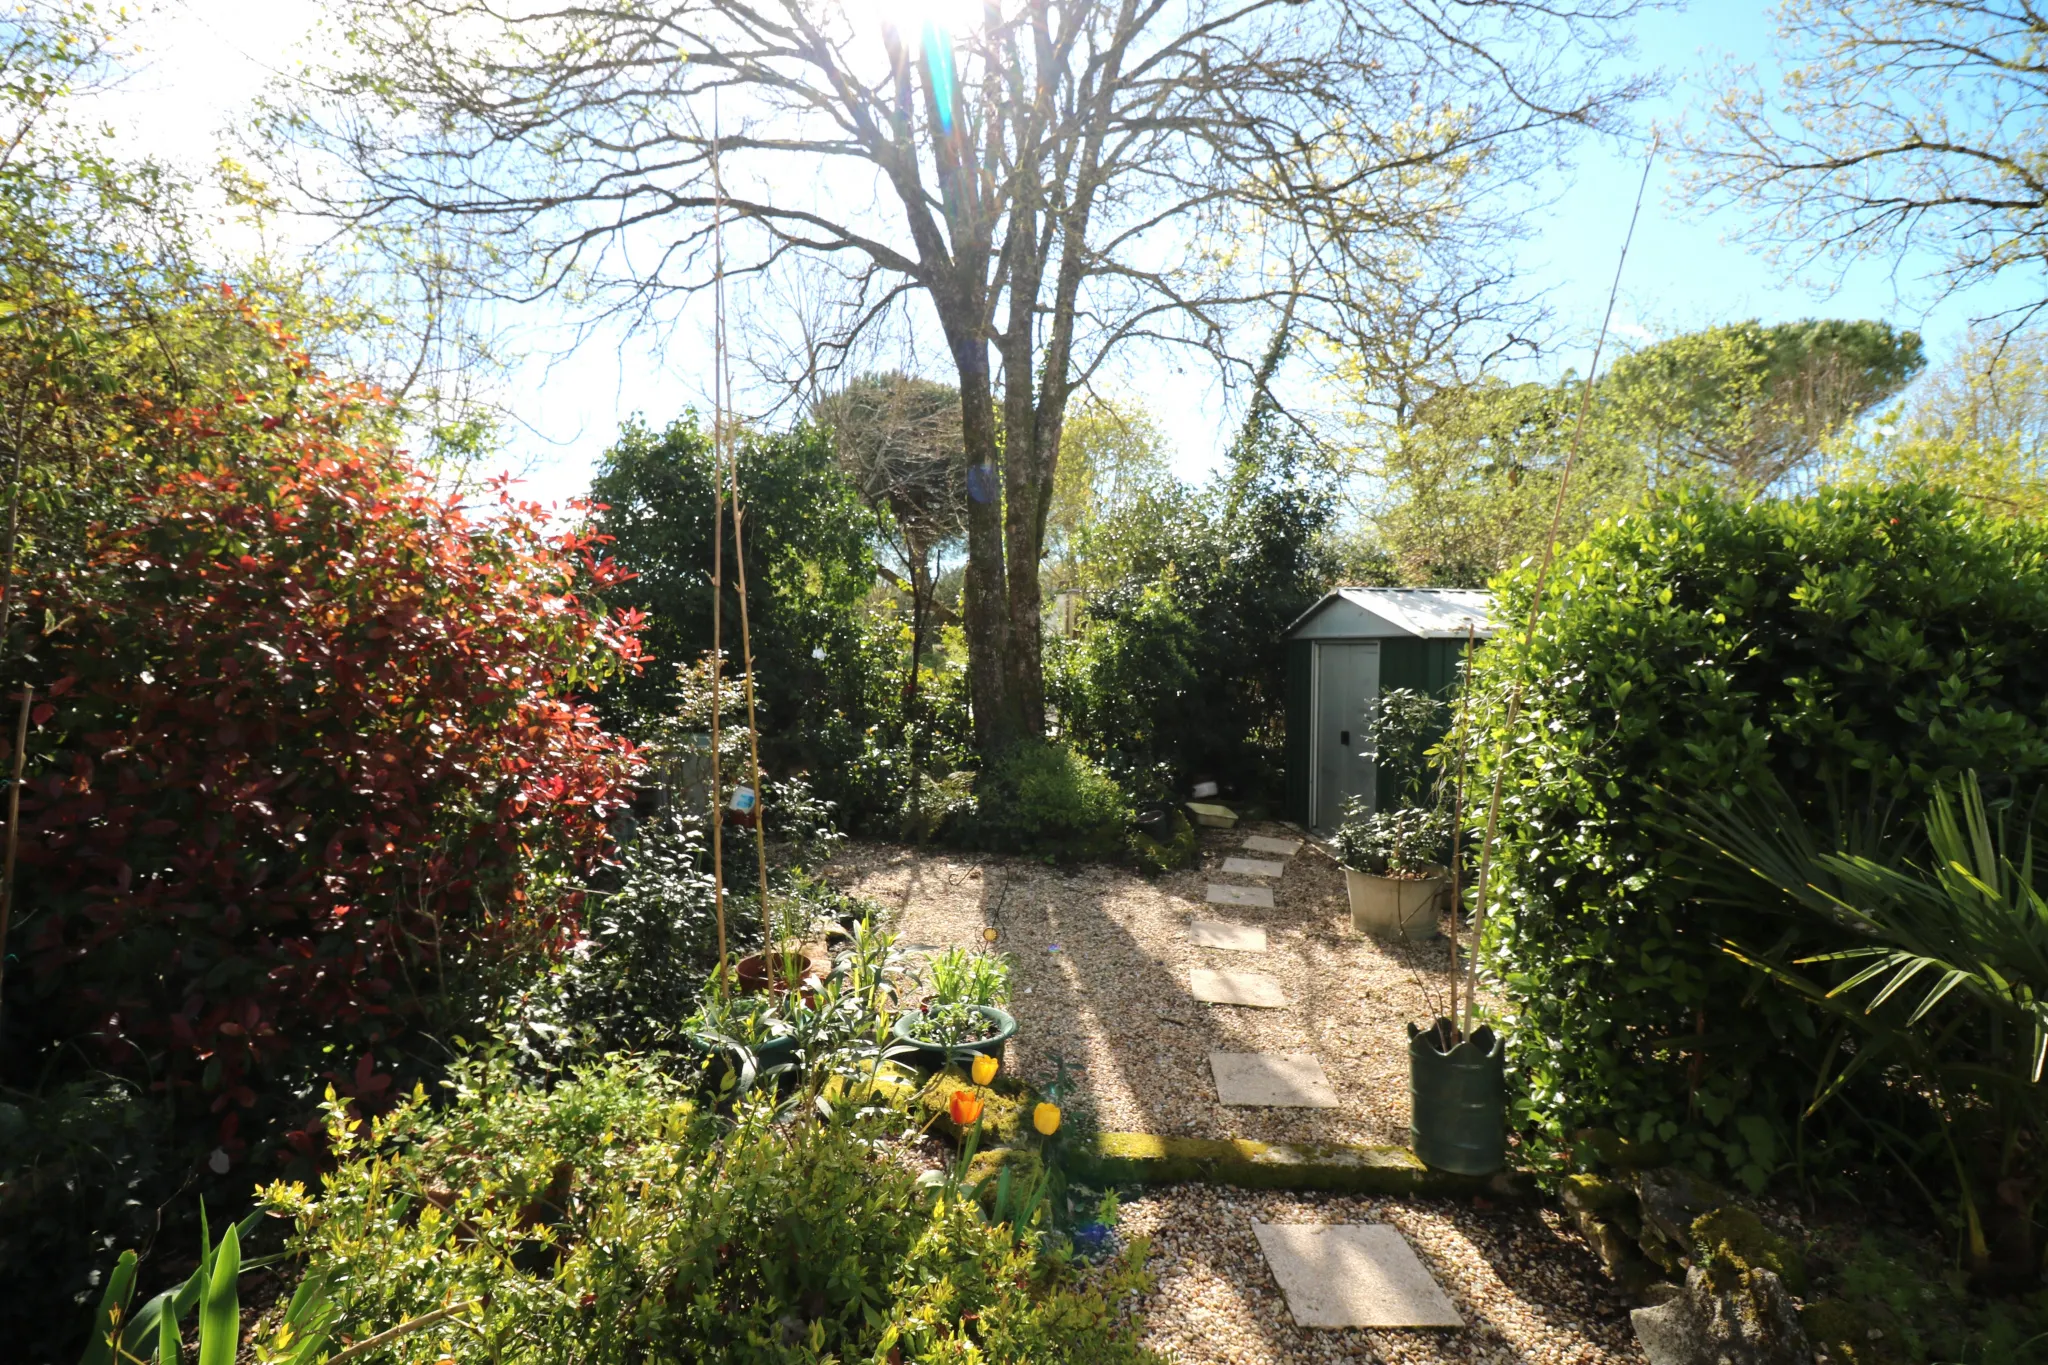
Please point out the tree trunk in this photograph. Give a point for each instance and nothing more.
(1000, 722)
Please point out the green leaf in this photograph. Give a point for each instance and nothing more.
(113, 1303)
(220, 1309)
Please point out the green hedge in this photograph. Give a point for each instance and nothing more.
(1859, 644)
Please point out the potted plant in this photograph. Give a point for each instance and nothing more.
(963, 1016)
(1394, 859)
(1393, 871)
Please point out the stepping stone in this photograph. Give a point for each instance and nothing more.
(1276, 1080)
(1236, 988)
(1253, 867)
(1238, 938)
(1211, 816)
(1260, 896)
(1265, 843)
(1353, 1275)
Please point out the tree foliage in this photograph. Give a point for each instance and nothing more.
(1471, 482)
(1897, 126)
(1747, 405)
(809, 561)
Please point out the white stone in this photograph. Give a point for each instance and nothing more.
(1271, 1080)
(1353, 1275)
(1253, 867)
(1266, 843)
(1238, 938)
(1260, 896)
(1237, 988)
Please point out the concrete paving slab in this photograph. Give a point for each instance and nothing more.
(1253, 867)
(1266, 843)
(1260, 896)
(1237, 988)
(1353, 1275)
(1275, 1080)
(1216, 933)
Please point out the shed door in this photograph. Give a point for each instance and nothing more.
(1347, 681)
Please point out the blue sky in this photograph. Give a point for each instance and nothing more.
(1686, 269)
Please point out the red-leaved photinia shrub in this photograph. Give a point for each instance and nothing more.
(309, 739)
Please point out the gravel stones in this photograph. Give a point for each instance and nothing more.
(1292, 1080)
(1352, 1275)
(1528, 1290)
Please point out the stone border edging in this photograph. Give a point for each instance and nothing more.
(1148, 1159)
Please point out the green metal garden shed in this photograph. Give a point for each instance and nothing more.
(1341, 653)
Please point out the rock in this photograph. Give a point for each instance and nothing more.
(1671, 1200)
(1738, 1238)
(1605, 1214)
(1724, 1317)
(1618, 1153)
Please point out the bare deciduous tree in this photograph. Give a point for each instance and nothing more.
(1897, 126)
(1055, 179)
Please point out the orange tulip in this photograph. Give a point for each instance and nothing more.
(965, 1107)
(984, 1069)
(1046, 1118)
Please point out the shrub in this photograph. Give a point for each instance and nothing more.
(1857, 645)
(309, 756)
(1047, 799)
(611, 1220)
(647, 946)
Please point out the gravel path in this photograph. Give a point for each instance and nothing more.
(1115, 998)
(1526, 1285)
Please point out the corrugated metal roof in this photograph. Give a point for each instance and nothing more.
(1428, 613)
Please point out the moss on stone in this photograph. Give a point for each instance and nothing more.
(1737, 1239)
(1005, 1109)
(985, 1173)
(1597, 1194)
(1149, 1159)
(1841, 1333)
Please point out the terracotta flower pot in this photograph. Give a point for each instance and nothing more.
(752, 971)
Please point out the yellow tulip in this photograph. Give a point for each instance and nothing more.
(984, 1070)
(1046, 1118)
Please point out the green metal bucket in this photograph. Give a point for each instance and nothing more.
(1458, 1100)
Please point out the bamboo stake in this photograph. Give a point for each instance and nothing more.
(13, 829)
(1458, 816)
(1481, 906)
(739, 561)
(721, 384)
(717, 544)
